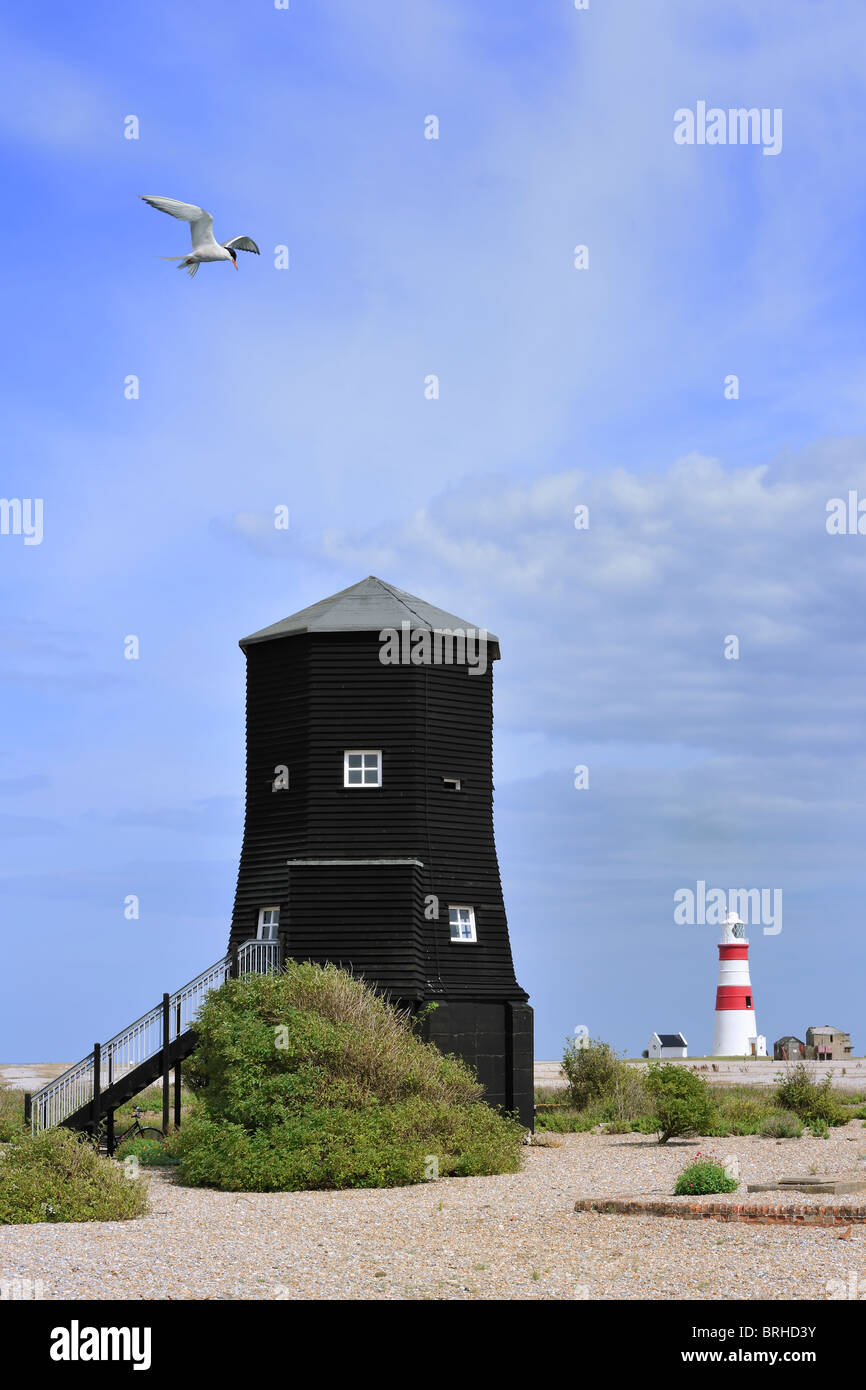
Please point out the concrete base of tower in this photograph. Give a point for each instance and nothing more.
(734, 1029)
(496, 1038)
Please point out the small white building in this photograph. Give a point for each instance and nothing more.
(758, 1046)
(668, 1045)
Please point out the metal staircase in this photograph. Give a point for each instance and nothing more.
(90, 1091)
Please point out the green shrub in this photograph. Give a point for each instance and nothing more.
(308, 1079)
(151, 1153)
(782, 1124)
(703, 1174)
(811, 1100)
(12, 1124)
(600, 1080)
(628, 1098)
(592, 1070)
(564, 1120)
(55, 1176)
(742, 1109)
(680, 1099)
(858, 1113)
(720, 1129)
(377, 1146)
(819, 1129)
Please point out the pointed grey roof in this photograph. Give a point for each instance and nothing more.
(365, 607)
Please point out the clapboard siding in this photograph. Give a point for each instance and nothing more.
(310, 697)
(368, 920)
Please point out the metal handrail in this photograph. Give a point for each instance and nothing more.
(256, 957)
(133, 1045)
(142, 1039)
(74, 1086)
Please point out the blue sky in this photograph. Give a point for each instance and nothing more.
(305, 388)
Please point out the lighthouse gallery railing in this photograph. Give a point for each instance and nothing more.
(143, 1039)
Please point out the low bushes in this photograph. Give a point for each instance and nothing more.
(647, 1125)
(308, 1079)
(151, 1153)
(55, 1176)
(704, 1174)
(626, 1098)
(332, 1147)
(742, 1109)
(11, 1115)
(782, 1124)
(602, 1091)
(665, 1100)
(811, 1100)
(565, 1120)
(681, 1101)
(592, 1070)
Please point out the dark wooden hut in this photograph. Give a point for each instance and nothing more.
(368, 838)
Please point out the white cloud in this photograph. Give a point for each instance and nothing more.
(617, 632)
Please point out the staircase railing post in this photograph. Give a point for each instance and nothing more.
(234, 964)
(166, 1070)
(28, 1108)
(177, 1078)
(109, 1133)
(97, 1088)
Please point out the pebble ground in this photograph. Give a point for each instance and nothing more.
(510, 1237)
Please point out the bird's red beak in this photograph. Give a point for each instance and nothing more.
(234, 263)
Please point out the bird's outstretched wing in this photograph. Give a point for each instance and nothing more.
(242, 243)
(200, 222)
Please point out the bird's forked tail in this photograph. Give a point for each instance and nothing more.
(186, 263)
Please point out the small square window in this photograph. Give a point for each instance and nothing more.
(461, 921)
(362, 768)
(269, 923)
(451, 784)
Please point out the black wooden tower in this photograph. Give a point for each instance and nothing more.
(368, 838)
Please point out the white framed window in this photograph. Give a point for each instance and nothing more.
(462, 923)
(269, 923)
(362, 767)
(451, 784)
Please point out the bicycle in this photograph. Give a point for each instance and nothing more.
(137, 1130)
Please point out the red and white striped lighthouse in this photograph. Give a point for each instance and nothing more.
(735, 1032)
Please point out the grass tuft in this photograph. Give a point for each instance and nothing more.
(11, 1115)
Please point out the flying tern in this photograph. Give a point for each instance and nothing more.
(204, 246)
